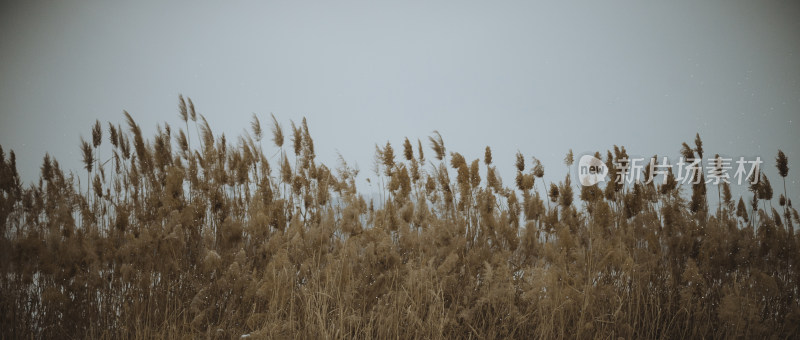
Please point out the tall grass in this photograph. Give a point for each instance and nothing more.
(194, 235)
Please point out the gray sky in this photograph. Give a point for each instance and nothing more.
(536, 77)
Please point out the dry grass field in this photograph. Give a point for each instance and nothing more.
(189, 234)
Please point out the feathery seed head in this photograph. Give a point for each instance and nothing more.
(538, 168)
(297, 139)
(192, 112)
(86, 150)
(437, 144)
(255, 124)
(553, 193)
(388, 159)
(457, 160)
(277, 132)
(97, 134)
(474, 175)
(183, 112)
(112, 135)
(687, 152)
(408, 150)
(782, 163)
(698, 146)
(520, 163)
(420, 152)
(569, 159)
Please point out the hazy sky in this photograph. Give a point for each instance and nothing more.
(536, 77)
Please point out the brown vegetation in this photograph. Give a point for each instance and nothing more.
(177, 237)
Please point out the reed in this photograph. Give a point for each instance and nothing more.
(210, 241)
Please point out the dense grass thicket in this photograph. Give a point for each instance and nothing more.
(193, 235)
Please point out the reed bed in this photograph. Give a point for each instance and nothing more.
(188, 234)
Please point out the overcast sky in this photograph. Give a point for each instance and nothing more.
(536, 77)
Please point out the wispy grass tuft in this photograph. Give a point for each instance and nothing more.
(208, 241)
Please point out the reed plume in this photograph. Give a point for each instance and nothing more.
(304, 252)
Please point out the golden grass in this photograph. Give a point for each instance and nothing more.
(214, 242)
